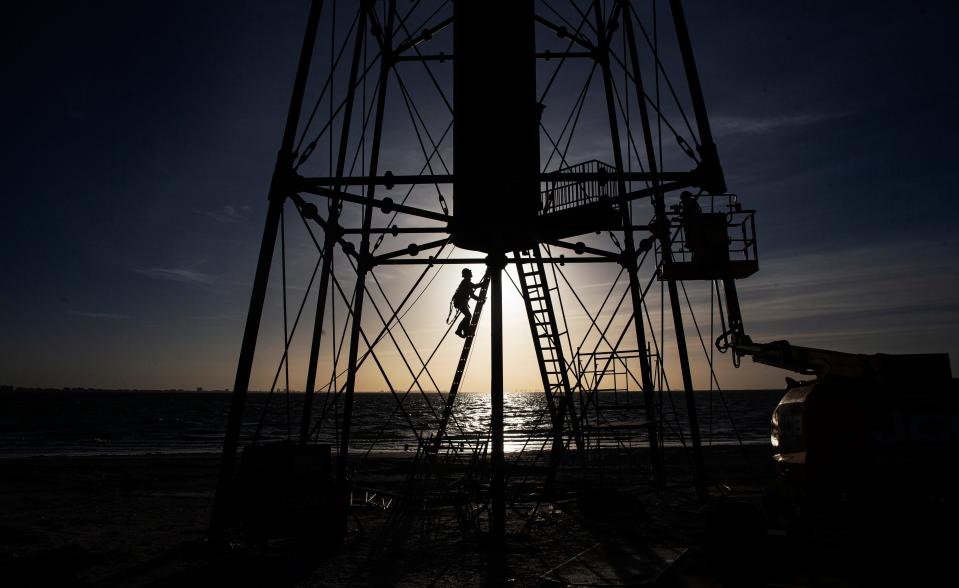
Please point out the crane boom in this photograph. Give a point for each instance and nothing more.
(822, 362)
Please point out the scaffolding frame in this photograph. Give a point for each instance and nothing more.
(382, 40)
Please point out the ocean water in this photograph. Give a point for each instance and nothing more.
(92, 422)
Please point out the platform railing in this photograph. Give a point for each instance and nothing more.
(559, 195)
(740, 229)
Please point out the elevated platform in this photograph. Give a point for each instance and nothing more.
(718, 243)
(585, 218)
(563, 208)
(569, 208)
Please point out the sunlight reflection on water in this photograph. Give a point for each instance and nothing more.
(527, 423)
(131, 422)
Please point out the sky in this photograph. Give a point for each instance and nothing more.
(140, 140)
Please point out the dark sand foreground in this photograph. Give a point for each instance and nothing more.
(141, 521)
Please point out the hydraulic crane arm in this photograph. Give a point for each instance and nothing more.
(822, 362)
(809, 360)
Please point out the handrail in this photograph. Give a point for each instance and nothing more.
(564, 194)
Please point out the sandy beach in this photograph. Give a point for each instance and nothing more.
(142, 521)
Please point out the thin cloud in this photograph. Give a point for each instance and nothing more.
(180, 275)
(227, 213)
(111, 316)
(755, 125)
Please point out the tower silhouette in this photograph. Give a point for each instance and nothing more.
(573, 126)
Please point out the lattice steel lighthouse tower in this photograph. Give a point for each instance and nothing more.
(521, 78)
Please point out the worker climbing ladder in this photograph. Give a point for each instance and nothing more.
(460, 367)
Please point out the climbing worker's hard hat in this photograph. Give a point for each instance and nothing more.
(467, 272)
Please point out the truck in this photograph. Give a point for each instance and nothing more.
(863, 427)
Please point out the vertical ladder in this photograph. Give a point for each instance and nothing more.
(548, 346)
(460, 367)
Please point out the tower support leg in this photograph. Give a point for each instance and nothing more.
(309, 390)
(715, 182)
(698, 462)
(498, 469)
(629, 246)
(330, 236)
(278, 193)
(363, 267)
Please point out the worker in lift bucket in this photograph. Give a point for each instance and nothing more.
(461, 300)
(689, 211)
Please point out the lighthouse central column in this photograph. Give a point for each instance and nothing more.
(496, 125)
(495, 264)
